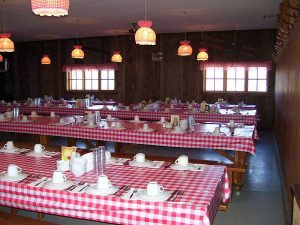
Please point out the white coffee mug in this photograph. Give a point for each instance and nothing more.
(33, 113)
(153, 188)
(63, 165)
(62, 120)
(13, 170)
(136, 118)
(146, 126)
(139, 157)
(24, 118)
(182, 160)
(9, 145)
(52, 114)
(91, 123)
(58, 177)
(78, 166)
(107, 155)
(103, 182)
(183, 124)
(38, 148)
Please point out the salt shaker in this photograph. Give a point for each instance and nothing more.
(99, 160)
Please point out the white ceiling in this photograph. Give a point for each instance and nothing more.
(111, 17)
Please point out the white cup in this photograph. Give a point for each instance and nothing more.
(107, 155)
(13, 170)
(24, 118)
(38, 148)
(136, 118)
(91, 123)
(78, 166)
(178, 129)
(62, 120)
(182, 160)
(52, 114)
(33, 113)
(103, 182)
(217, 130)
(162, 119)
(9, 145)
(146, 126)
(108, 117)
(231, 123)
(153, 188)
(118, 125)
(58, 177)
(63, 165)
(139, 157)
(183, 124)
(2, 117)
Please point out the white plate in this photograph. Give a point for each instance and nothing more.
(147, 163)
(160, 197)
(13, 150)
(50, 185)
(148, 130)
(93, 189)
(187, 167)
(25, 121)
(19, 177)
(42, 154)
(137, 121)
(177, 132)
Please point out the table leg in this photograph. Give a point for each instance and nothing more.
(71, 142)
(44, 140)
(238, 177)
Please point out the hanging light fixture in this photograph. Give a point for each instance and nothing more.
(50, 7)
(1, 58)
(6, 45)
(145, 35)
(45, 60)
(185, 49)
(77, 52)
(202, 55)
(116, 57)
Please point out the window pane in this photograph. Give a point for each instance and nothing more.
(210, 72)
(230, 72)
(79, 84)
(209, 84)
(111, 74)
(231, 85)
(219, 85)
(73, 85)
(252, 73)
(262, 85)
(240, 73)
(73, 74)
(240, 85)
(88, 74)
(79, 74)
(219, 72)
(103, 84)
(111, 85)
(262, 73)
(104, 74)
(88, 85)
(252, 85)
(95, 74)
(95, 85)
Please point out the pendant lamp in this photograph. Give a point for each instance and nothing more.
(6, 44)
(45, 60)
(116, 57)
(77, 52)
(1, 58)
(145, 35)
(185, 49)
(202, 55)
(50, 7)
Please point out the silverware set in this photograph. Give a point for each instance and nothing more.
(134, 192)
(174, 195)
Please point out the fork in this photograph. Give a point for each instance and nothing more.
(134, 191)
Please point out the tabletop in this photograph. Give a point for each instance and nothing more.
(203, 192)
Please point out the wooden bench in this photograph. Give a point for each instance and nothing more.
(10, 219)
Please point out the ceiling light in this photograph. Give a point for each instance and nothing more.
(50, 7)
(6, 45)
(185, 49)
(116, 57)
(202, 55)
(77, 52)
(145, 35)
(45, 60)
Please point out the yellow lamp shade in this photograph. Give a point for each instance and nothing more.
(185, 49)
(50, 7)
(145, 35)
(45, 60)
(77, 53)
(202, 55)
(116, 57)
(6, 45)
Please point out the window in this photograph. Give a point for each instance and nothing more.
(88, 80)
(235, 77)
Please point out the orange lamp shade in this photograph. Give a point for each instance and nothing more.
(145, 35)
(77, 52)
(6, 45)
(185, 49)
(202, 55)
(45, 60)
(116, 57)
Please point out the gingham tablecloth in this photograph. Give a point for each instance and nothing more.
(248, 117)
(203, 192)
(242, 141)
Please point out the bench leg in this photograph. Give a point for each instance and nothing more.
(13, 211)
(41, 215)
(238, 177)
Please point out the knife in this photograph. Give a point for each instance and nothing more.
(173, 193)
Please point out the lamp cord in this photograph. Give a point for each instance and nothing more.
(145, 9)
(77, 31)
(3, 16)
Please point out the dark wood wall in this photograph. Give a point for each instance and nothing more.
(139, 77)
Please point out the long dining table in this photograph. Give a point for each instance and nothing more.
(202, 193)
(240, 142)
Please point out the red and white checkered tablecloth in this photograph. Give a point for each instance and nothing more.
(242, 141)
(203, 192)
(248, 117)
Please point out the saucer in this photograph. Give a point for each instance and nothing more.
(61, 186)
(147, 163)
(13, 150)
(148, 130)
(93, 189)
(160, 197)
(25, 121)
(179, 167)
(137, 121)
(41, 154)
(34, 116)
(118, 128)
(19, 177)
(177, 132)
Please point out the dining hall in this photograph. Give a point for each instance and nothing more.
(149, 112)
